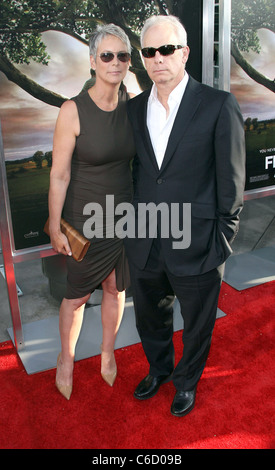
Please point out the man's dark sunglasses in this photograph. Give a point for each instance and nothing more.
(109, 56)
(168, 49)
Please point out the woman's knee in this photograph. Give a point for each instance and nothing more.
(109, 285)
(77, 303)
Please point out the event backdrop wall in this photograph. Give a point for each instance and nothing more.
(45, 60)
(252, 82)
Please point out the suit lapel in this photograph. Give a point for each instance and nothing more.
(186, 111)
(142, 116)
(188, 107)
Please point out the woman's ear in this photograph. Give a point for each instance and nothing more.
(92, 62)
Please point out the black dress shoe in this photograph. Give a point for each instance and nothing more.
(183, 403)
(149, 386)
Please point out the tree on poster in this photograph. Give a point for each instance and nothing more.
(25, 63)
(24, 47)
(253, 50)
(23, 22)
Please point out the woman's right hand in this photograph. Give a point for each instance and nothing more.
(60, 243)
(66, 130)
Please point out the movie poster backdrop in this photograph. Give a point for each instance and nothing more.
(253, 84)
(44, 59)
(28, 112)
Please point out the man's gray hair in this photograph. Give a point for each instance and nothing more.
(166, 20)
(107, 30)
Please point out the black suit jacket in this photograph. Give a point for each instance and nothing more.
(204, 165)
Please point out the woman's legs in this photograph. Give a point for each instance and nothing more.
(70, 322)
(112, 308)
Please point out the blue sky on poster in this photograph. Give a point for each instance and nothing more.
(28, 124)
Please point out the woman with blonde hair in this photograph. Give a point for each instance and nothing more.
(92, 150)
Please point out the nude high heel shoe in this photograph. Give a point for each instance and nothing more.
(111, 376)
(65, 390)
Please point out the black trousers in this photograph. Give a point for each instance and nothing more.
(154, 291)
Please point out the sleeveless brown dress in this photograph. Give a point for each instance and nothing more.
(100, 167)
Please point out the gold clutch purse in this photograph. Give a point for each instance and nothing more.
(78, 243)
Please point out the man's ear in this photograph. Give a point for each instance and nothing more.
(185, 54)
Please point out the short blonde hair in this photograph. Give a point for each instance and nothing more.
(107, 30)
(167, 20)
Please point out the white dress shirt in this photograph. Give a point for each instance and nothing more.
(159, 125)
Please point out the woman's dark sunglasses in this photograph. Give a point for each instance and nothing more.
(168, 49)
(109, 56)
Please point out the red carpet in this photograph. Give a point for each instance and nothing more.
(235, 397)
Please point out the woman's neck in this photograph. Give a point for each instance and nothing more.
(106, 98)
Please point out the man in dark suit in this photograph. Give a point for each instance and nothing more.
(191, 153)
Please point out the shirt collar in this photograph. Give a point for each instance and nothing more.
(175, 95)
